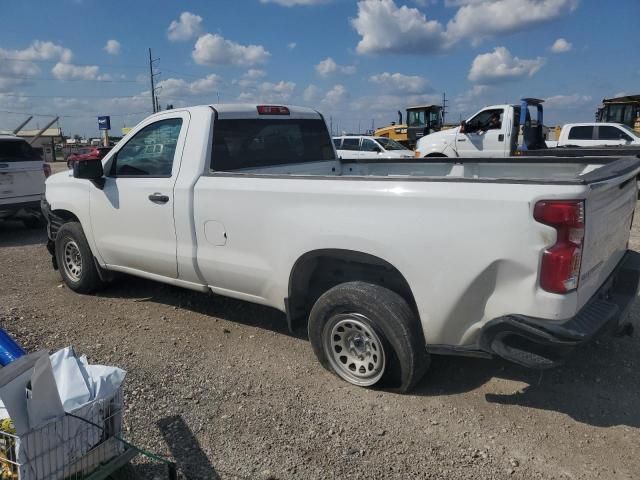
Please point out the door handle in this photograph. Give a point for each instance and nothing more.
(462, 139)
(158, 198)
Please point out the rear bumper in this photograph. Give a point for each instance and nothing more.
(19, 208)
(539, 343)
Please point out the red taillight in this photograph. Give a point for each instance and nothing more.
(46, 168)
(272, 110)
(560, 269)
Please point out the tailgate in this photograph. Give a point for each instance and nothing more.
(20, 179)
(609, 208)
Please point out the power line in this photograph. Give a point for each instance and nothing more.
(137, 67)
(72, 116)
(19, 95)
(67, 79)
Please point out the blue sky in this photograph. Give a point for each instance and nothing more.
(356, 61)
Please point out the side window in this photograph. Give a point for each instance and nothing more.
(487, 120)
(351, 144)
(337, 142)
(607, 132)
(150, 152)
(369, 145)
(581, 133)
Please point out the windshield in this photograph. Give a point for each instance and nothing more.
(17, 151)
(389, 144)
(416, 118)
(630, 131)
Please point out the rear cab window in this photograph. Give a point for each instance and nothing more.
(248, 143)
(607, 132)
(17, 150)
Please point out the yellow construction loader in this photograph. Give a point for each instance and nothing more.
(421, 121)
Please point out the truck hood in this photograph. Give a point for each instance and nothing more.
(436, 142)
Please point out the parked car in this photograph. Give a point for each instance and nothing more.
(354, 147)
(22, 177)
(87, 153)
(595, 134)
(384, 262)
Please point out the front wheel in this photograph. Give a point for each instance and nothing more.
(75, 260)
(368, 335)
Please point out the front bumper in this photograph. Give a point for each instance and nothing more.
(540, 343)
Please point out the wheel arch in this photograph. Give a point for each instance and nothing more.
(316, 271)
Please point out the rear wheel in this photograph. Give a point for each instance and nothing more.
(368, 335)
(75, 260)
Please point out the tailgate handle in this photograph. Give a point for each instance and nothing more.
(625, 183)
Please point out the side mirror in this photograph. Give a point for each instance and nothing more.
(378, 149)
(89, 170)
(463, 127)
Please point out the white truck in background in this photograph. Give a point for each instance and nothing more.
(594, 134)
(499, 131)
(384, 261)
(22, 176)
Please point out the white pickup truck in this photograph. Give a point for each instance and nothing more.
(510, 130)
(593, 134)
(22, 176)
(384, 261)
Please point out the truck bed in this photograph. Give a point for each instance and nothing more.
(540, 170)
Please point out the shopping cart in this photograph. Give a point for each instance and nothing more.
(85, 444)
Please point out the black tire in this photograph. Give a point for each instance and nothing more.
(72, 244)
(391, 319)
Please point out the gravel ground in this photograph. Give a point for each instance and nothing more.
(220, 386)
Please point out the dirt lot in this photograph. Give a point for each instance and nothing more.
(221, 386)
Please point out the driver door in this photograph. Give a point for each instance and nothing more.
(132, 217)
(480, 140)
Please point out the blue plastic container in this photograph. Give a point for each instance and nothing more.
(9, 349)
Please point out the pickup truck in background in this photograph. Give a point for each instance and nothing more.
(22, 176)
(385, 262)
(506, 131)
(594, 134)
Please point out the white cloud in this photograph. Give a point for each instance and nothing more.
(500, 65)
(292, 45)
(213, 49)
(480, 19)
(561, 46)
(69, 71)
(568, 101)
(329, 67)
(16, 66)
(270, 92)
(385, 28)
(311, 94)
(178, 87)
(188, 26)
(112, 47)
(250, 78)
(336, 96)
(294, 3)
(400, 82)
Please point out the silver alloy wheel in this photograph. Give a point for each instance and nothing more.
(354, 349)
(72, 260)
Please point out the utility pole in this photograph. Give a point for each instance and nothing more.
(152, 75)
(444, 105)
